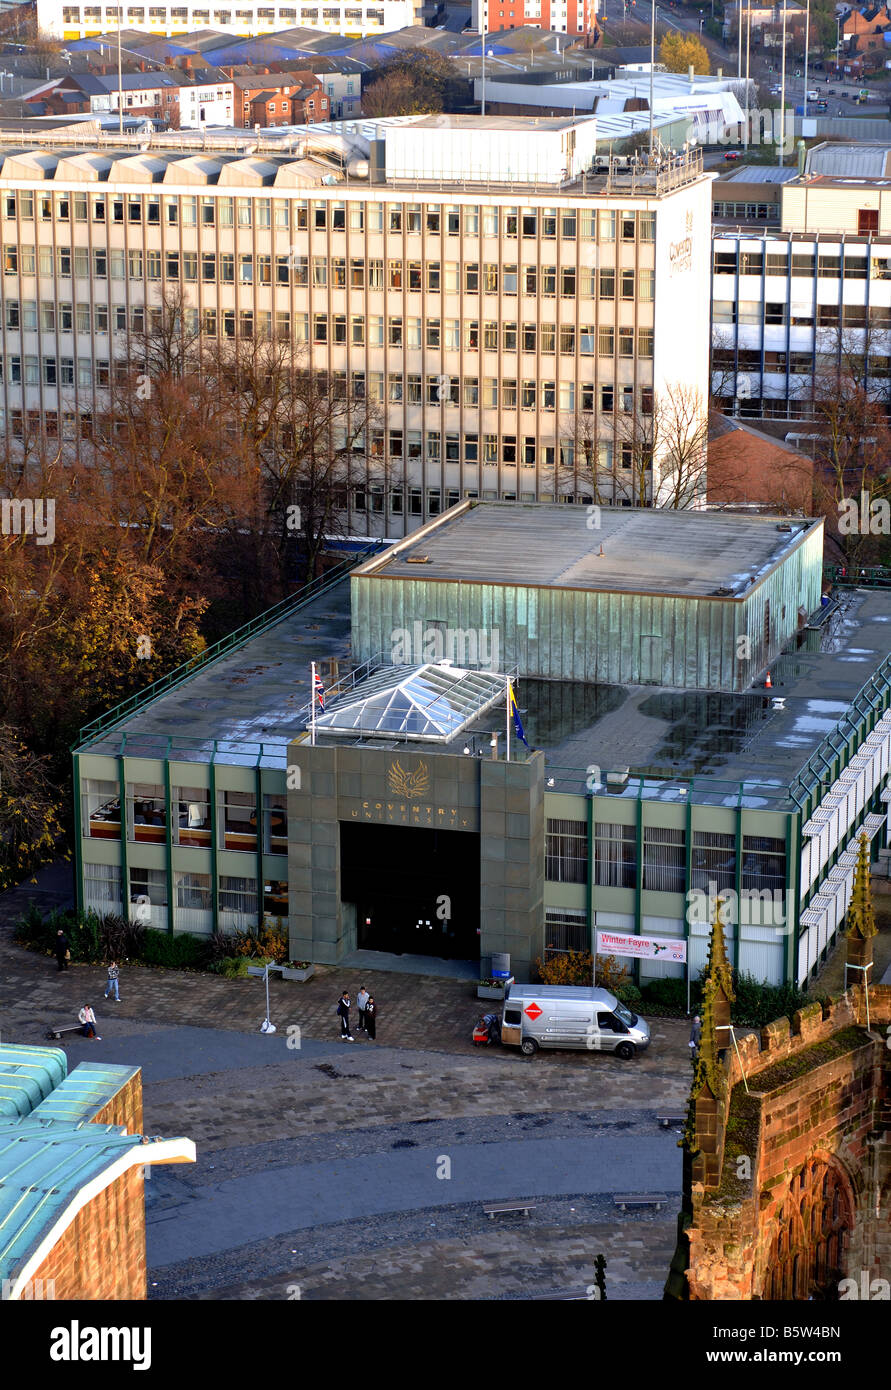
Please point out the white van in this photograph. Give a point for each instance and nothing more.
(571, 1016)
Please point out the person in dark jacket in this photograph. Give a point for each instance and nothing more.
(343, 1008)
(61, 950)
(695, 1034)
(370, 1017)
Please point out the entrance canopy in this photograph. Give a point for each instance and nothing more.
(432, 703)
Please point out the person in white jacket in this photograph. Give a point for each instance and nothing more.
(88, 1019)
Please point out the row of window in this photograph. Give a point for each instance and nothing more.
(145, 816)
(161, 14)
(760, 212)
(301, 214)
(797, 363)
(336, 273)
(239, 905)
(824, 265)
(664, 858)
(411, 446)
(753, 313)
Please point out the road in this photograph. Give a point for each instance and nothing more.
(389, 1153)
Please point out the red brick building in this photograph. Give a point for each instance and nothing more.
(561, 16)
(747, 467)
(787, 1177)
(283, 98)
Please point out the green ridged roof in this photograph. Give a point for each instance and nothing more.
(28, 1075)
(50, 1146)
(85, 1092)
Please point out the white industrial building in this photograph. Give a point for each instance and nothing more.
(516, 336)
(789, 301)
(245, 17)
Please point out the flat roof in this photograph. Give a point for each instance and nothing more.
(650, 550)
(258, 692)
(719, 738)
(528, 125)
(249, 703)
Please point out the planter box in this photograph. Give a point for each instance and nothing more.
(492, 991)
(289, 974)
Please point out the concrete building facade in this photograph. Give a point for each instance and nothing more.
(791, 305)
(509, 336)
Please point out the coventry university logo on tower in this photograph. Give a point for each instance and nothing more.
(411, 785)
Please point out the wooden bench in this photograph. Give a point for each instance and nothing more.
(65, 1028)
(666, 1121)
(493, 1209)
(639, 1199)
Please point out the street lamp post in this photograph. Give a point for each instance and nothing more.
(483, 68)
(783, 89)
(807, 35)
(652, 66)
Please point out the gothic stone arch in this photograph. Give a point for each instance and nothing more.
(813, 1228)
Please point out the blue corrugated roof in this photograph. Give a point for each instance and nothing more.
(43, 1166)
(28, 1075)
(51, 1148)
(83, 1094)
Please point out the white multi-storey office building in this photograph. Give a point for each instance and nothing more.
(791, 304)
(504, 330)
(350, 17)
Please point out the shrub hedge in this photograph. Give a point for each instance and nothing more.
(95, 939)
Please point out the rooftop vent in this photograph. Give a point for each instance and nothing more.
(783, 526)
(417, 559)
(723, 592)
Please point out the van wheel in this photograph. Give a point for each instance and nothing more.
(528, 1047)
(625, 1050)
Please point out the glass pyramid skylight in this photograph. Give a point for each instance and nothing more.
(429, 702)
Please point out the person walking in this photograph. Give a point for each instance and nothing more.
(370, 1018)
(695, 1034)
(88, 1019)
(362, 999)
(343, 1008)
(62, 950)
(111, 984)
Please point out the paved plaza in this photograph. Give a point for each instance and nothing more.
(332, 1170)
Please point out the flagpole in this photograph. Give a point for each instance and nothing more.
(507, 724)
(312, 683)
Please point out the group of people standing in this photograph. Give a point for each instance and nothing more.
(367, 1014)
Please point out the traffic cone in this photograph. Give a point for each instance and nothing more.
(768, 684)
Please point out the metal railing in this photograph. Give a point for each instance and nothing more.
(315, 589)
(859, 576)
(843, 741)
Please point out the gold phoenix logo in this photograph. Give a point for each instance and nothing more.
(408, 784)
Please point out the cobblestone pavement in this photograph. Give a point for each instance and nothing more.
(308, 1130)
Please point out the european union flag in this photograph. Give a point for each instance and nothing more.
(518, 723)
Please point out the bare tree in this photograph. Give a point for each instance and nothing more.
(662, 449)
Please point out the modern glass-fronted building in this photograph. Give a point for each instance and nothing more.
(398, 823)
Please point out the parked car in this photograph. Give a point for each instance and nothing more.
(732, 154)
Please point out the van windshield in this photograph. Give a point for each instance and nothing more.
(627, 1017)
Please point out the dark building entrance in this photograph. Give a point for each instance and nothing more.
(395, 874)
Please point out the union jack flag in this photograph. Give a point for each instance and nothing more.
(320, 691)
